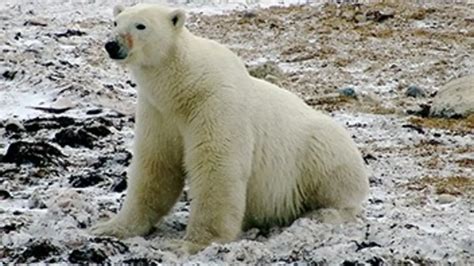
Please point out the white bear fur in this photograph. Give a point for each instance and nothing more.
(254, 154)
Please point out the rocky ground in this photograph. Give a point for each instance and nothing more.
(67, 116)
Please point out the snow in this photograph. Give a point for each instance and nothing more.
(405, 220)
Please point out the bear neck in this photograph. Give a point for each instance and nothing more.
(177, 87)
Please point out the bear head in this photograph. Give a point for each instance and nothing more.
(144, 34)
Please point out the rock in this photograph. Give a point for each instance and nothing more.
(446, 199)
(415, 92)
(272, 79)
(70, 33)
(122, 157)
(7, 228)
(248, 14)
(375, 261)
(9, 75)
(97, 129)
(360, 18)
(120, 186)
(348, 15)
(116, 246)
(35, 23)
(455, 99)
(38, 251)
(37, 153)
(35, 201)
(418, 129)
(131, 84)
(13, 126)
(368, 157)
(75, 137)
(87, 180)
(268, 71)
(88, 255)
(364, 245)
(347, 92)
(51, 110)
(375, 201)
(59, 106)
(94, 111)
(102, 120)
(5, 194)
(142, 261)
(422, 111)
(379, 15)
(56, 122)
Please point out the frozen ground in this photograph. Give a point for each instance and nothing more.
(421, 205)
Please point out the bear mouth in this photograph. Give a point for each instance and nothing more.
(118, 56)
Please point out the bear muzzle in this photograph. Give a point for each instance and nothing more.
(115, 50)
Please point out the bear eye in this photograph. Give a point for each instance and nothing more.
(115, 23)
(140, 27)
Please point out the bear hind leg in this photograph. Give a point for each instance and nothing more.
(333, 215)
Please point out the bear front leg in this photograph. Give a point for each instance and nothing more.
(217, 209)
(218, 169)
(155, 180)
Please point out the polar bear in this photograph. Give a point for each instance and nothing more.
(255, 155)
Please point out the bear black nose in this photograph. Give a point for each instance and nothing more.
(112, 48)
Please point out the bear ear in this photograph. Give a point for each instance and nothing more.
(177, 18)
(118, 9)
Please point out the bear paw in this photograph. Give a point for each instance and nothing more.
(184, 248)
(116, 228)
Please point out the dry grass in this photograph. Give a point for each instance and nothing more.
(453, 185)
(330, 102)
(457, 125)
(434, 163)
(466, 162)
(377, 109)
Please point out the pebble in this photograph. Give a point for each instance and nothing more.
(70, 33)
(348, 92)
(88, 180)
(269, 71)
(360, 18)
(446, 199)
(422, 111)
(379, 15)
(94, 111)
(9, 75)
(415, 92)
(35, 201)
(89, 255)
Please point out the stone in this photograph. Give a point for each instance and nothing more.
(36, 153)
(348, 92)
(13, 126)
(415, 92)
(75, 137)
(268, 71)
(455, 99)
(446, 199)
